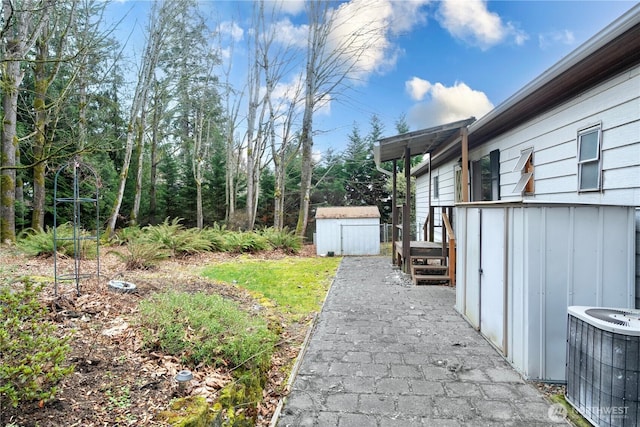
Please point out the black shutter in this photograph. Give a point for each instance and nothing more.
(494, 160)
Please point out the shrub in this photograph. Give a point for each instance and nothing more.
(202, 328)
(173, 236)
(242, 242)
(31, 355)
(40, 243)
(282, 239)
(126, 235)
(216, 236)
(141, 255)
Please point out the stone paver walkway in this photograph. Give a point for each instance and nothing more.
(387, 353)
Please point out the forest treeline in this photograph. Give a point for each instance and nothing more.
(172, 136)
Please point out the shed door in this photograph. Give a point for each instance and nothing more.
(472, 286)
(492, 259)
(359, 238)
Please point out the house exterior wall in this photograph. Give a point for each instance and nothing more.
(348, 236)
(421, 204)
(446, 197)
(553, 135)
(564, 247)
(616, 105)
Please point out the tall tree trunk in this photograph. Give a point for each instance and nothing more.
(10, 80)
(278, 199)
(153, 207)
(21, 32)
(135, 211)
(40, 139)
(306, 139)
(43, 77)
(159, 16)
(197, 163)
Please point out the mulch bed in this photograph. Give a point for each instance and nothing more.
(116, 382)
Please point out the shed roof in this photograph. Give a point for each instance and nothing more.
(418, 142)
(348, 212)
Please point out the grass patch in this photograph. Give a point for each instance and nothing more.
(205, 329)
(297, 286)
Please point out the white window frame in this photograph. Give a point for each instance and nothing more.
(436, 186)
(457, 179)
(592, 160)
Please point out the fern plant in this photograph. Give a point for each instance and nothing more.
(216, 236)
(174, 237)
(40, 243)
(284, 239)
(141, 255)
(125, 235)
(242, 242)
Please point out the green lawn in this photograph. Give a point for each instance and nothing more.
(296, 286)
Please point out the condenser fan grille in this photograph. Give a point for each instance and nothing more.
(603, 365)
(609, 315)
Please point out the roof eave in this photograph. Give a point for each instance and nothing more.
(609, 52)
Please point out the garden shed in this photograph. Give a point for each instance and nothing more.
(348, 230)
(522, 264)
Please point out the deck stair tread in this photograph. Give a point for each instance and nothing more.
(429, 269)
(421, 267)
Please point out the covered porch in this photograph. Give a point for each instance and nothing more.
(426, 260)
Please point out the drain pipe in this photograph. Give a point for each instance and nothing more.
(384, 171)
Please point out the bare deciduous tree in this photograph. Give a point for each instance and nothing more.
(156, 32)
(330, 63)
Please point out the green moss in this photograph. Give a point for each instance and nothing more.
(6, 182)
(192, 411)
(574, 416)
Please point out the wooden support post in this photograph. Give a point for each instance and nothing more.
(394, 214)
(432, 223)
(406, 213)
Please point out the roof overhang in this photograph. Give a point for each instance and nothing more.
(419, 142)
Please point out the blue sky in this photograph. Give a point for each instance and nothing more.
(438, 61)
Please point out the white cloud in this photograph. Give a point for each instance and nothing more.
(229, 28)
(225, 53)
(546, 40)
(472, 22)
(447, 104)
(291, 35)
(292, 7)
(417, 88)
(368, 25)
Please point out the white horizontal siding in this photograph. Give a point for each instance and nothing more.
(616, 105)
(422, 203)
(446, 196)
(447, 186)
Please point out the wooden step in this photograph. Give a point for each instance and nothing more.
(430, 270)
(425, 260)
(430, 278)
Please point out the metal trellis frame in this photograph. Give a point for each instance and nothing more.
(85, 185)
